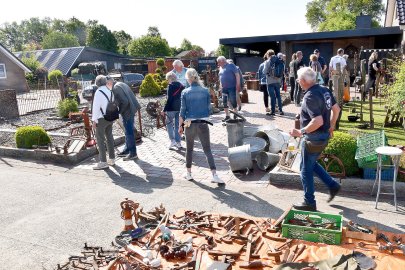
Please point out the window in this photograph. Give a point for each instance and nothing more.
(3, 74)
(117, 65)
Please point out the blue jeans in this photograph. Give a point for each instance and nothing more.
(130, 145)
(309, 166)
(172, 126)
(231, 93)
(274, 92)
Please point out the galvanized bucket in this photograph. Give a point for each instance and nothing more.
(250, 131)
(234, 129)
(266, 160)
(240, 158)
(256, 145)
(275, 140)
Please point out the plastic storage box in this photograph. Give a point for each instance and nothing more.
(366, 156)
(313, 234)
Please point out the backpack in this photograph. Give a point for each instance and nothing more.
(111, 112)
(276, 67)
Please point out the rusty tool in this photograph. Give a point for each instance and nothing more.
(292, 253)
(253, 264)
(286, 244)
(301, 248)
(164, 221)
(249, 247)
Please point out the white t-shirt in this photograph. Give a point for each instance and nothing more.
(100, 101)
(337, 59)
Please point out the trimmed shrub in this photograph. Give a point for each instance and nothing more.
(74, 72)
(164, 68)
(54, 75)
(165, 84)
(149, 87)
(28, 136)
(158, 70)
(160, 62)
(344, 147)
(66, 106)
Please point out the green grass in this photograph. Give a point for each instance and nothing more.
(395, 135)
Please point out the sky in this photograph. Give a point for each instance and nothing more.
(202, 22)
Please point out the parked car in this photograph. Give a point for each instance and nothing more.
(133, 80)
(89, 91)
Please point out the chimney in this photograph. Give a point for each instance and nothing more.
(363, 21)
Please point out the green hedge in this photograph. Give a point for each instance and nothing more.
(343, 146)
(66, 106)
(28, 136)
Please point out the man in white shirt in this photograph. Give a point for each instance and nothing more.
(103, 127)
(337, 59)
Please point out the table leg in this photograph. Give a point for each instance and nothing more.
(396, 165)
(378, 179)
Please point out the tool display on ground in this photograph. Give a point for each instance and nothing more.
(201, 240)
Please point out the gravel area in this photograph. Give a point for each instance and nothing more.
(64, 125)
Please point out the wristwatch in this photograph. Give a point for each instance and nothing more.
(303, 131)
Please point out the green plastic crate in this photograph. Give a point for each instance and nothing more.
(366, 156)
(320, 235)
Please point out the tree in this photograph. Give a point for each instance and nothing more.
(331, 15)
(123, 40)
(11, 37)
(186, 45)
(35, 29)
(59, 40)
(223, 50)
(101, 38)
(77, 28)
(149, 46)
(153, 31)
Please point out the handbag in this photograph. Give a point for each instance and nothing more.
(315, 147)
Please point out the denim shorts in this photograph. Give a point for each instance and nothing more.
(231, 94)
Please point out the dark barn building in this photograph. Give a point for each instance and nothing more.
(327, 42)
(66, 59)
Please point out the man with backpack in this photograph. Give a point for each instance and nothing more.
(274, 70)
(128, 106)
(104, 113)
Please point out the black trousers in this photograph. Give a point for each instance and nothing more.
(292, 85)
(263, 88)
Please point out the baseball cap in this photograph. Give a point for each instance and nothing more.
(316, 51)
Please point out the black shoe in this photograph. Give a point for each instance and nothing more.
(305, 207)
(281, 113)
(272, 114)
(130, 157)
(123, 154)
(332, 193)
(239, 107)
(226, 118)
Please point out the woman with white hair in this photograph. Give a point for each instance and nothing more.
(172, 109)
(373, 67)
(194, 116)
(180, 71)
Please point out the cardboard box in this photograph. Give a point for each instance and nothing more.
(362, 236)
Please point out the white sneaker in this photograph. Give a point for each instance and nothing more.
(178, 145)
(172, 144)
(187, 176)
(101, 166)
(111, 162)
(216, 179)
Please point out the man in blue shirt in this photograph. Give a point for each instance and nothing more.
(230, 83)
(180, 71)
(319, 113)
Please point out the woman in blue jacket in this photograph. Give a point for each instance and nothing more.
(194, 116)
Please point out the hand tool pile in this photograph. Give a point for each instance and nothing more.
(199, 241)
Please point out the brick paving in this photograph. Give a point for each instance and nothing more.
(156, 160)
